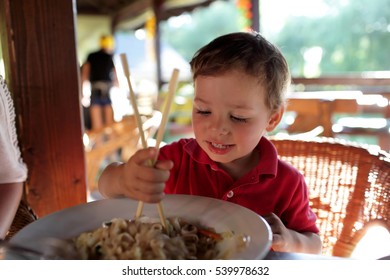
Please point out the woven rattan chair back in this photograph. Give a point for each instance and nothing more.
(24, 216)
(349, 188)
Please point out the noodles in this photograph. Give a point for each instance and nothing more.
(145, 238)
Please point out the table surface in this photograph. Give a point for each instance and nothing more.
(272, 255)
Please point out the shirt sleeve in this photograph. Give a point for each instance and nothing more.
(299, 215)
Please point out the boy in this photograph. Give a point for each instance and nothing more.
(240, 82)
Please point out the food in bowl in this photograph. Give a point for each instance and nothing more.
(146, 238)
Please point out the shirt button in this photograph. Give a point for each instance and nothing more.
(230, 194)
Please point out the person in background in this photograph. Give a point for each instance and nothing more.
(99, 70)
(240, 82)
(13, 171)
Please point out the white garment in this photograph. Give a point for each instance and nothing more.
(12, 167)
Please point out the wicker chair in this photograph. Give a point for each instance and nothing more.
(24, 216)
(349, 187)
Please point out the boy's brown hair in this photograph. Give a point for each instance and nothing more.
(250, 53)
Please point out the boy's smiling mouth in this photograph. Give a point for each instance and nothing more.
(218, 148)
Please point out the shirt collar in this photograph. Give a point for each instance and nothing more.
(268, 157)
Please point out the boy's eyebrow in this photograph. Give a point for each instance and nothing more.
(246, 107)
(243, 107)
(200, 100)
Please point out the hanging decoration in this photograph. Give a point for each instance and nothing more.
(150, 26)
(245, 9)
(150, 31)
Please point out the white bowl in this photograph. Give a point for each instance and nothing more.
(218, 214)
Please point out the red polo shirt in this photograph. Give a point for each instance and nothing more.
(272, 186)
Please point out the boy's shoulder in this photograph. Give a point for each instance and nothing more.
(283, 168)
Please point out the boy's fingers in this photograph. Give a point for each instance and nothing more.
(142, 156)
(164, 165)
(148, 192)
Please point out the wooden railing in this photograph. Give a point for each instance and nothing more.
(361, 80)
(326, 97)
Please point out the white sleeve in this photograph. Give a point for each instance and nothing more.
(12, 167)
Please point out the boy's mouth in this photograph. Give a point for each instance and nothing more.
(219, 148)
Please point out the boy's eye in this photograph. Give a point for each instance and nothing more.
(237, 119)
(201, 112)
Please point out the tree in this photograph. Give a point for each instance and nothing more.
(201, 26)
(353, 38)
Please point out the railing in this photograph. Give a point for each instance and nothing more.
(344, 106)
(362, 80)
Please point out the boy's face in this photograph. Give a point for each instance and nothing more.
(230, 116)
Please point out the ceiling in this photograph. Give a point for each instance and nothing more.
(133, 11)
(103, 7)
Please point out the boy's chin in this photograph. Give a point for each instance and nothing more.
(220, 158)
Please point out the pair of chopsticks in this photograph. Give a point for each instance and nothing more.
(171, 91)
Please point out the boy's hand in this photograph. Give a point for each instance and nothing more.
(288, 240)
(136, 178)
(142, 181)
(281, 237)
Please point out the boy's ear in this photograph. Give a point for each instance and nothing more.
(275, 118)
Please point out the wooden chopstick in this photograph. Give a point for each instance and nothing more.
(160, 133)
(171, 92)
(133, 100)
(172, 89)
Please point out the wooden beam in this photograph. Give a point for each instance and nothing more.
(136, 11)
(343, 80)
(39, 49)
(255, 8)
(157, 9)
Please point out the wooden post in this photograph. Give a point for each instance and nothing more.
(255, 15)
(325, 117)
(157, 9)
(39, 49)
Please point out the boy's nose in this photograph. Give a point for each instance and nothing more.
(217, 124)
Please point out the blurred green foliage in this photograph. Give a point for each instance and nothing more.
(202, 26)
(354, 36)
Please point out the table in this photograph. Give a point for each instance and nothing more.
(317, 108)
(273, 255)
(314, 109)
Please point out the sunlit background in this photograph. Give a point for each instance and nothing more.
(317, 37)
